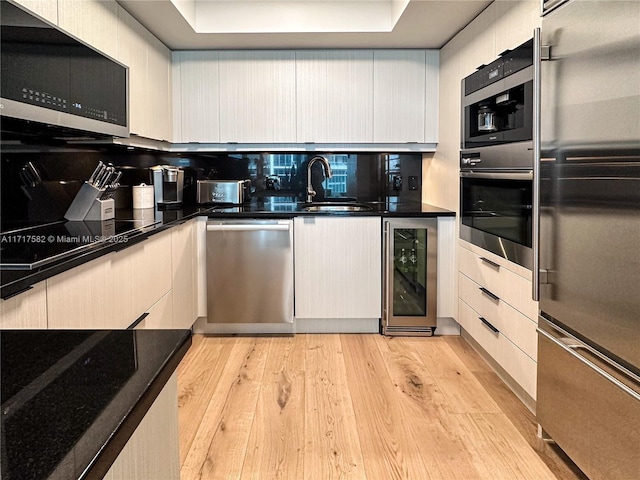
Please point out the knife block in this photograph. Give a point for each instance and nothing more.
(87, 205)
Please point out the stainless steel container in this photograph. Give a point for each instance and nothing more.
(223, 191)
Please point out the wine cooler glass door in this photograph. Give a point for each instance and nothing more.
(410, 277)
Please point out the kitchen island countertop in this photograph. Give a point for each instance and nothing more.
(72, 399)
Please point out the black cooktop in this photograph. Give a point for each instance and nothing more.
(32, 247)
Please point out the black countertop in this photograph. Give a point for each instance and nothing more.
(286, 207)
(32, 253)
(72, 399)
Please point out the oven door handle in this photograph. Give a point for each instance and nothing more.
(520, 175)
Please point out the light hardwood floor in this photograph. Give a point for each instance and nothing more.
(353, 406)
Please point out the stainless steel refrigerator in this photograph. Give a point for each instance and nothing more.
(588, 185)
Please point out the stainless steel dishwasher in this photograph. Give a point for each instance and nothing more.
(250, 271)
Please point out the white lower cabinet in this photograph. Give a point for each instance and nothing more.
(79, 298)
(160, 315)
(338, 268)
(159, 277)
(520, 367)
(112, 291)
(152, 451)
(184, 273)
(495, 308)
(27, 310)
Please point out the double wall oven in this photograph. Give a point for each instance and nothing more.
(496, 160)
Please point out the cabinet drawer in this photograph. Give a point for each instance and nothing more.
(513, 360)
(518, 328)
(27, 310)
(492, 272)
(160, 315)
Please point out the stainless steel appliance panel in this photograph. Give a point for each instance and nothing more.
(497, 100)
(589, 230)
(590, 175)
(51, 78)
(591, 84)
(496, 213)
(410, 277)
(223, 191)
(589, 271)
(589, 407)
(250, 271)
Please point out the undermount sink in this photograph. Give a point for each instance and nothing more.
(335, 207)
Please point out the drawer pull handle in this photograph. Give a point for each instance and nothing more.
(490, 294)
(489, 262)
(14, 294)
(138, 321)
(488, 324)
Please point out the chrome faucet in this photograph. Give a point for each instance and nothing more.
(327, 171)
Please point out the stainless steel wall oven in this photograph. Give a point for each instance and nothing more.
(496, 205)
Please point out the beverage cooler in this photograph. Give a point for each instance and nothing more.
(410, 277)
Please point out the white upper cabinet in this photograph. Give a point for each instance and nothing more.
(47, 9)
(132, 52)
(195, 97)
(432, 95)
(334, 91)
(257, 96)
(149, 63)
(93, 21)
(306, 96)
(108, 28)
(158, 106)
(405, 96)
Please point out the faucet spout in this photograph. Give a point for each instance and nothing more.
(327, 172)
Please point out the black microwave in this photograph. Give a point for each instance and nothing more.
(497, 100)
(52, 79)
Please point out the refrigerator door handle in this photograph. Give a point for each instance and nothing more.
(573, 348)
(535, 226)
(540, 53)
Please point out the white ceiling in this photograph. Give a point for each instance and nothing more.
(294, 24)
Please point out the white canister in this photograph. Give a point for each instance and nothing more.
(143, 217)
(142, 196)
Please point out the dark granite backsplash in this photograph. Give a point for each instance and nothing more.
(62, 169)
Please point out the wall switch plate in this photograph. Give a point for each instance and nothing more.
(397, 182)
(413, 183)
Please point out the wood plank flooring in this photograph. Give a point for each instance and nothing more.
(353, 407)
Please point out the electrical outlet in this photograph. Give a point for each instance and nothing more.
(413, 183)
